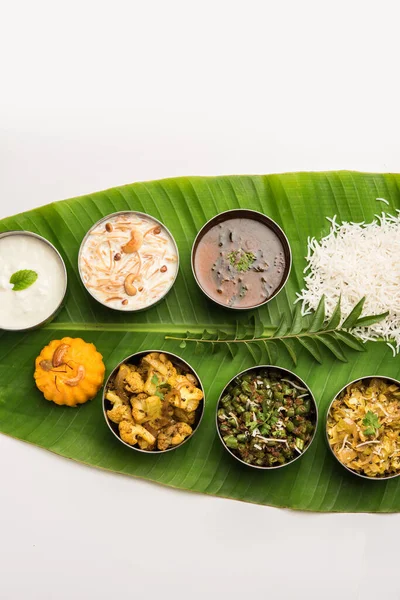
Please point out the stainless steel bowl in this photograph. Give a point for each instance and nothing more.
(104, 220)
(57, 310)
(245, 213)
(134, 359)
(286, 373)
(396, 381)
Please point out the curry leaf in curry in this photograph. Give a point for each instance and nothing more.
(371, 422)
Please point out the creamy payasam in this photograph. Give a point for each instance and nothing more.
(128, 261)
(37, 267)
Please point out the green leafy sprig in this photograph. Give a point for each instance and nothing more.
(21, 280)
(371, 422)
(162, 387)
(241, 260)
(310, 333)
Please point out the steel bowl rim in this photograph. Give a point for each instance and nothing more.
(103, 400)
(112, 215)
(13, 232)
(326, 426)
(255, 213)
(276, 367)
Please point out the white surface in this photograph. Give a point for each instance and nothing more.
(96, 94)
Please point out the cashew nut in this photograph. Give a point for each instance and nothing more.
(134, 243)
(79, 376)
(58, 356)
(128, 285)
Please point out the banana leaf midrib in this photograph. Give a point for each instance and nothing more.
(164, 328)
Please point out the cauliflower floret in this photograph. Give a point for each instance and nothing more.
(182, 380)
(150, 385)
(173, 379)
(146, 409)
(173, 435)
(159, 370)
(120, 410)
(183, 416)
(185, 395)
(177, 381)
(153, 382)
(160, 364)
(191, 397)
(134, 382)
(132, 434)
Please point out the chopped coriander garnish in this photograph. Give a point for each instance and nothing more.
(162, 387)
(371, 422)
(241, 260)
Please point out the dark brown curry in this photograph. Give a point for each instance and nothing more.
(240, 262)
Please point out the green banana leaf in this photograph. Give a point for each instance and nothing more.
(299, 202)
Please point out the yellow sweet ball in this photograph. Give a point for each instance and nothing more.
(69, 371)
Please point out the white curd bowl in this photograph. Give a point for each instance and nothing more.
(40, 302)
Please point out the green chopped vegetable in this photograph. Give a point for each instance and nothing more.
(270, 422)
(231, 441)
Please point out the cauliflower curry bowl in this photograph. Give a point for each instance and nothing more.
(153, 401)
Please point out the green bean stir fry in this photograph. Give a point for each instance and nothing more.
(265, 418)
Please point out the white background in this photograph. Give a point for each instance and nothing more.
(95, 94)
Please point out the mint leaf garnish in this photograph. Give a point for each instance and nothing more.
(23, 279)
